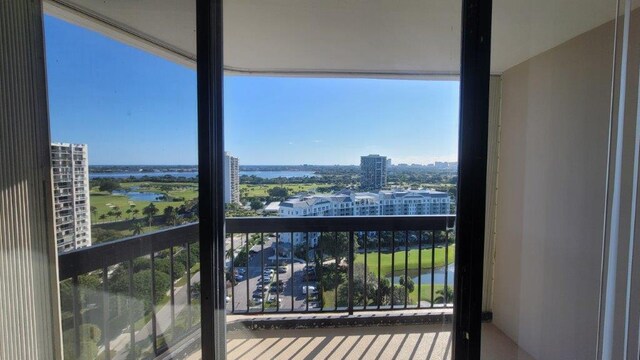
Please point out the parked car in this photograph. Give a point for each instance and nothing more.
(272, 298)
(310, 289)
(274, 288)
(239, 277)
(282, 269)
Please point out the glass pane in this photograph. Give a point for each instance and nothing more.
(122, 96)
(549, 126)
(339, 120)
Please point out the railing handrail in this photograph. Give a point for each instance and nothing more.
(339, 223)
(84, 260)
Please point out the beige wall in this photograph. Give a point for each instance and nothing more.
(555, 114)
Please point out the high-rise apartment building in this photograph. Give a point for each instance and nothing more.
(231, 179)
(72, 214)
(373, 172)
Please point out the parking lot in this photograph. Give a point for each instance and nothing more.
(291, 277)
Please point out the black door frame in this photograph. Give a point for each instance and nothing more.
(472, 177)
(472, 163)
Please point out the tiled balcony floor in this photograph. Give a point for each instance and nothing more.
(375, 342)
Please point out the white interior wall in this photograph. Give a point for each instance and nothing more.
(553, 157)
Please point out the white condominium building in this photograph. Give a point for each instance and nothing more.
(72, 214)
(231, 179)
(346, 203)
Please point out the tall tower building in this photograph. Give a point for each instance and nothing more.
(72, 215)
(231, 179)
(373, 172)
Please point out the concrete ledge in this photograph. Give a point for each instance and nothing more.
(324, 320)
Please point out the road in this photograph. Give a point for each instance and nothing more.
(291, 291)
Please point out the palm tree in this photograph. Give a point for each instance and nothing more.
(150, 211)
(444, 294)
(136, 228)
(171, 216)
(117, 214)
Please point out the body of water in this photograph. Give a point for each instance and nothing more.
(124, 175)
(438, 276)
(277, 174)
(140, 196)
(193, 174)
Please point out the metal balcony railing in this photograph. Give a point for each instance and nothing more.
(142, 292)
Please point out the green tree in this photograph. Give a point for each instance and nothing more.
(136, 228)
(444, 295)
(409, 284)
(278, 193)
(109, 185)
(171, 216)
(150, 211)
(256, 205)
(119, 283)
(93, 210)
(334, 245)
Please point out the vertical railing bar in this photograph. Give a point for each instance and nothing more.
(232, 272)
(446, 267)
(406, 268)
(419, 267)
(433, 263)
(132, 323)
(173, 292)
(291, 277)
(319, 273)
(393, 268)
(306, 271)
(76, 314)
(336, 273)
(379, 269)
(350, 288)
(105, 313)
(246, 275)
(153, 304)
(277, 273)
(189, 317)
(262, 268)
(366, 269)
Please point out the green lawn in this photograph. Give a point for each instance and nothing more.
(104, 202)
(250, 190)
(385, 260)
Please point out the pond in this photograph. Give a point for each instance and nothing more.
(140, 195)
(438, 276)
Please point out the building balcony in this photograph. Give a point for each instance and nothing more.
(151, 281)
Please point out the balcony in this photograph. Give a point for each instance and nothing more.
(151, 281)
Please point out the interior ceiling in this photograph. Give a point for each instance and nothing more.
(351, 37)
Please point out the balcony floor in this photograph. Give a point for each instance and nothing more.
(377, 342)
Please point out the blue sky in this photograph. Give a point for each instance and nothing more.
(132, 107)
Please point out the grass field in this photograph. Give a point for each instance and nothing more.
(249, 190)
(104, 202)
(385, 260)
(424, 291)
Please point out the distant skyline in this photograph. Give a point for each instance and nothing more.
(134, 108)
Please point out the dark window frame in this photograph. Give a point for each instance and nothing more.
(474, 109)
